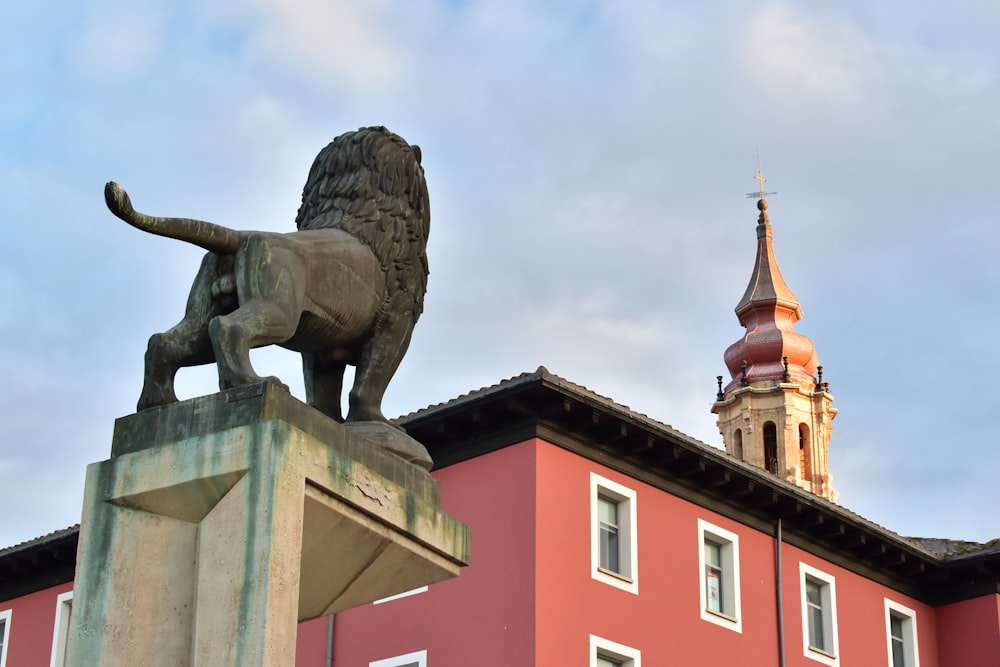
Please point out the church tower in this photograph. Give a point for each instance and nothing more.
(775, 412)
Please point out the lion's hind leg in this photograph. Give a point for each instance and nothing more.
(187, 343)
(270, 282)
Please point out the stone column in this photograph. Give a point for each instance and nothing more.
(221, 522)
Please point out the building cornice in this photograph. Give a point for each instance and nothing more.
(546, 406)
(38, 564)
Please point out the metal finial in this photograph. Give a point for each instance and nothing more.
(720, 396)
(761, 180)
(743, 377)
(784, 360)
(822, 386)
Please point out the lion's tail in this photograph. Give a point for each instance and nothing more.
(211, 237)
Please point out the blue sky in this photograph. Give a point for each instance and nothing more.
(587, 164)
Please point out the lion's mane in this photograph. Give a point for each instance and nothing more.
(370, 184)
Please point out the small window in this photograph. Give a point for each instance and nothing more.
(607, 522)
(819, 615)
(901, 635)
(719, 574)
(416, 659)
(4, 635)
(60, 635)
(613, 534)
(738, 444)
(606, 653)
(771, 447)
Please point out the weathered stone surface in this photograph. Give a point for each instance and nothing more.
(393, 440)
(261, 402)
(221, 522)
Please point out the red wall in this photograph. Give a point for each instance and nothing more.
(501, 612)
(970, 633)
(485, 616)
(663, 620)
(32, 623)
(860, 615)
(311, 643)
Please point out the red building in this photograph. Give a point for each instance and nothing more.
(602, 537)
(589, 531)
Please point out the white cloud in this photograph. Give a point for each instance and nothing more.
(809, 61)
(361, 48)
(118, 44)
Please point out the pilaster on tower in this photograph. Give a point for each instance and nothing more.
(776, 411)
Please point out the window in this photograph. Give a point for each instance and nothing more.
(60, 635)
(404, 594)
(738, 444)
(819, 615)
(416, 659)
(4, 635)
(771, 447)
(613, 534)
(719, 574)
(607, 522)
(901, 635)
(606, 653)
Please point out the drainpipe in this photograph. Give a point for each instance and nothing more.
(777, 592)
(329, 640)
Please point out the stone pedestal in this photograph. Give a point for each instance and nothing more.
(221, 522)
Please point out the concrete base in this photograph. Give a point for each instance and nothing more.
(220, 523)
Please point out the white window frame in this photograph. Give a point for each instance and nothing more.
(911, 654)
(628, 656)
(404, 594)
(5, 638)
(417, 657)
(731, 616)
(828, 591)
(60, 632)
(628, 578)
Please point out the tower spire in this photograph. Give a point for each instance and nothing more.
(769, 311)
(774, 413)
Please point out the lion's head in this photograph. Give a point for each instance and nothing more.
(370, 184)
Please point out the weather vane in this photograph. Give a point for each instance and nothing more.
(760, 179)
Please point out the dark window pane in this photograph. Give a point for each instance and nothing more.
(610, 548)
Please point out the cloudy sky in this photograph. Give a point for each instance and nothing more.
(587, 164)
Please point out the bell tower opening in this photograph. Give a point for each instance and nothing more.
(771, 447)
(805, 458)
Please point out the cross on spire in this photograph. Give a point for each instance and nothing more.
(760, 179)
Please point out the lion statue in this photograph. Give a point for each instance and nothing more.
(346, 288)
